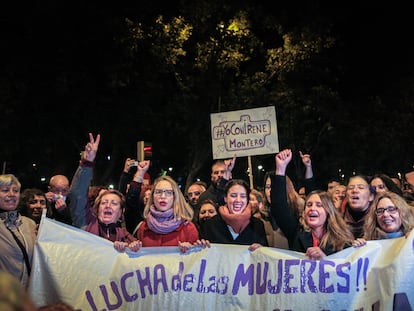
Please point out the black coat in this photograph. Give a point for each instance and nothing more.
(216, 231)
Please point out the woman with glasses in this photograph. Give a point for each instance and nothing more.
(168, 218)
(390, 216)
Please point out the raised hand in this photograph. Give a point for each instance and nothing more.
(306, 159)
(282, 160)
(142, 168)
(91, 147)
(229, 163)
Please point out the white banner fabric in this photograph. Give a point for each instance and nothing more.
(85, 271)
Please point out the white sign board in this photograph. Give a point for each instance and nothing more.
(244, 132)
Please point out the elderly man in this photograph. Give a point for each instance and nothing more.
(58, 190)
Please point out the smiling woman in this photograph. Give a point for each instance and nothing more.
(16, 256)
(31, 204)
(234, 223)
(389, 216)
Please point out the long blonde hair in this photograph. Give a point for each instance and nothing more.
(372, 230)
(182, 210)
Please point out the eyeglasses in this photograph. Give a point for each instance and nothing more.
(268, 186)
(167, 192)
(196, 193)
(389, 209)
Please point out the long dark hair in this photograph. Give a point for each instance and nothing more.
(391, 186)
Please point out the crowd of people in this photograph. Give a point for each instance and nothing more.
(140, 213)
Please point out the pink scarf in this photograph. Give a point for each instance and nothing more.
(238, 222)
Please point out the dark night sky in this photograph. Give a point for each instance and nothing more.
(376, 50)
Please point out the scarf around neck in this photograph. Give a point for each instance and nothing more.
(238, 222)
(11, 218)
(393, 235)
(162, 222)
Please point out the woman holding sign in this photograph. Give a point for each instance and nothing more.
(234, 223)
(321, 230)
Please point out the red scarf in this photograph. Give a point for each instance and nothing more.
(315, 241)
(238, 222)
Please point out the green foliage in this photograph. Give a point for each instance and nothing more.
(231, 68)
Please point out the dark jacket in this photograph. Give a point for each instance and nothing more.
(134, 206)
(299, 239)
(216, 231)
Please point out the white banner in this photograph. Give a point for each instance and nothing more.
(244, 132)
(86, 272)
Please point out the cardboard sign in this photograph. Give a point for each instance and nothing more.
(244, 133)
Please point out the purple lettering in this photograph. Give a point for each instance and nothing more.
(261, 286)
(160, 278)
(176, 279)
(306, 279)
(323, 276)
(342, 274)
(243, 278)
(275, 289)
(188, 281)
(127, 296)
(224, 280)
(105, 295)
(288, 276)
(144, 281)
(200, 286)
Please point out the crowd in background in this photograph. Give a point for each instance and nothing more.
(143, 213)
